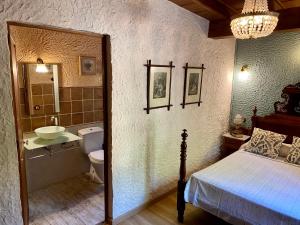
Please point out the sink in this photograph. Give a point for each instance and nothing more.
(49, 132)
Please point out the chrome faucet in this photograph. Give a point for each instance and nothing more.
(54, 120)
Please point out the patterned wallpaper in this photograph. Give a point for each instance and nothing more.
(274, 62)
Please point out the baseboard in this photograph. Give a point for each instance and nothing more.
(138, 209)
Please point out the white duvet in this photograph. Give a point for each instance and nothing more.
(245, 188)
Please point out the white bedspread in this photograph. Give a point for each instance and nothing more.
(248, 189)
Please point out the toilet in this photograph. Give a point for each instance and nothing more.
(92, 145)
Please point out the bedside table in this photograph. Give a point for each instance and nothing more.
(230, 144)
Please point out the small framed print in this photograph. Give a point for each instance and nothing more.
(159, 78)
(87, 65)
(192, 86)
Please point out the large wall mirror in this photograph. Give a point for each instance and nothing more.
(41, 85)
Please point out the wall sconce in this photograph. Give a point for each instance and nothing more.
(40, 66)
(244, 74)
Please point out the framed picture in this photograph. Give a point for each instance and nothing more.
(192, 85)
(87, 65)
(159, 78)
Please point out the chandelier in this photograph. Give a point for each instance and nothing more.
(255, 20)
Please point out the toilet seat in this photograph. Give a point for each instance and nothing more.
(97, 156)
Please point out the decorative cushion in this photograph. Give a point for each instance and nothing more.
(294, 154)
(266, 143)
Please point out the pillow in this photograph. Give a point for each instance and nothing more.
(243, 146)
(266, 143)
(284, 150)
(294, 154)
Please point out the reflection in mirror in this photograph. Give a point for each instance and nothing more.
(42, 89)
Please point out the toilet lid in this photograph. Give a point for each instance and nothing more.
(97, 156)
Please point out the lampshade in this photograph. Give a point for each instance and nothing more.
(255, 20)
(41, 67)
(244, 73)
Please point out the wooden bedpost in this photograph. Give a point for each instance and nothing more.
(253, 119)
(182, 178)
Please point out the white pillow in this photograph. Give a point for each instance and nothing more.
(243, 146)
(284, 150)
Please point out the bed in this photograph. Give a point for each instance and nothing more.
(245, 188)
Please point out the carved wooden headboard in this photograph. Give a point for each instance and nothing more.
(279, 123)
(286, 119)
(291, 100)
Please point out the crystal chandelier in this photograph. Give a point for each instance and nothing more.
(255, 20)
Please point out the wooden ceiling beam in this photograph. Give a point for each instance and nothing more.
(279, 3)
(213, 6)
(229, 7)
(271, 5)
(289, 19)
(275, 5)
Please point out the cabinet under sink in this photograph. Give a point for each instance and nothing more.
(52, 161)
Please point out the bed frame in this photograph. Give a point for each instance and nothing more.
(279, 123)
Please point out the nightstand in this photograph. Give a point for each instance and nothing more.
(230, 144)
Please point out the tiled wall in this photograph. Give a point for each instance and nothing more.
(78, 105)
(43, 97)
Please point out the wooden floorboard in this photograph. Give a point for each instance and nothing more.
(77, 201)
(164, 213)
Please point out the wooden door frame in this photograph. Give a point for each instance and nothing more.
(107, 103)
(19, 130)
(107, 117)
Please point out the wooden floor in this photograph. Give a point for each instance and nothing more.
(164, 213)
(77, 201)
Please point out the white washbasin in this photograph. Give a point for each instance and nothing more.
(50, 132)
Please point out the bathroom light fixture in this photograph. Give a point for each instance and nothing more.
(40, 66)
(244, 74)
(255, 20)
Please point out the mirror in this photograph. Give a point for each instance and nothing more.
(42, 88)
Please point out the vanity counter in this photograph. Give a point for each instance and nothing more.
(34, 142)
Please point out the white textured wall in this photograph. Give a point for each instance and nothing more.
(274, 62)
(145, 147)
